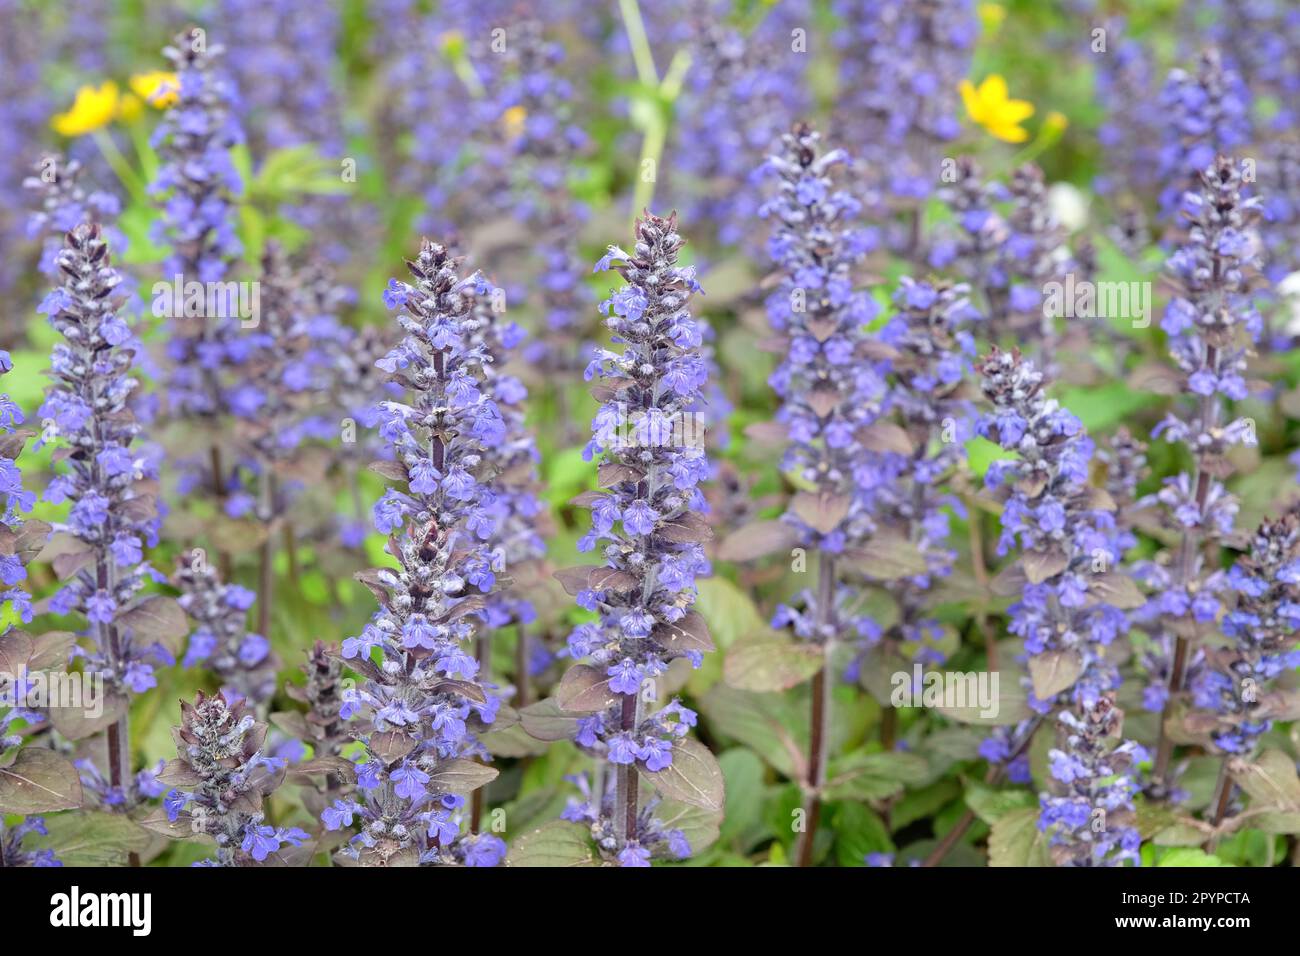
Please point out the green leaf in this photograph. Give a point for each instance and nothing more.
(92, 838)
(584, 690)
(918, 804)
(1273, 822)
(558, 843)
(1054, 671)
(742, 772)
(887, 557)
(39, 781)
(1164, 826)
(875, 776)
(980, 453)
(769, 724)
(1012, 705)
(699, 825)
(771, 665)
(1101, 407)
(730, 613)
(991, 805)
(858, 831)
(1016, 841)
(461, 776)
(1189, 856)
(1271, 781)
(693, 777)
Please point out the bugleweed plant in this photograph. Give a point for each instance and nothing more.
(956, 525)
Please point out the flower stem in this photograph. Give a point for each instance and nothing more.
(266, 587)
(642, 55)
(219, 491)
(819, 731)
(993, 776)
(1222, 798)
(521, 669)
(291, 550)
(626, 779)
(121, 166)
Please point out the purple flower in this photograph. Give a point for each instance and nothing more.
(110, 515)
(629, 641)
(418, 629)
(218, 746)
(221, 640)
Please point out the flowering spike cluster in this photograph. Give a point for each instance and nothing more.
(1070, 553)
(357, 385)
(195, 185)
(828, 385)
(535, 144)
(110, 484)
(743, 90)
(15, 597)
(421, 703)
(1089, 815)
(1071, 544)
(287, 366)
(513, 461)
(599, 811)
(1234, 683)
(927, 400)
(1033, 255)
(221, 780)
(221, 641)
(648, 517)
(64, 204)
(327, 731)
(974, 248)
(1210, 324)
(24, 112)
(11, 844)
(1207, 113)
(1130, 131)
(17, 501)
(901, 66)
(425, 66)
(280, 59)
(1065, 530)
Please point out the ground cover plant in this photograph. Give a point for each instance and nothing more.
(853, 433)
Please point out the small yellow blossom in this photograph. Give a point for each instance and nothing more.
(159, 88)
(991, 16)
(513, 120)
(989, 107)
(93, 108)
(129, 107)
(1056, 121)
(452, 43)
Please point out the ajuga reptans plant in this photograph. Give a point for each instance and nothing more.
(417, 711)
(647, 525)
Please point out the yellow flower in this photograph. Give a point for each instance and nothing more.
(989, 107)
(93, 109)
(158, 88)
(1056, 121)
(513, 120)
(129, 108)
(991, 16)
(452, 43)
